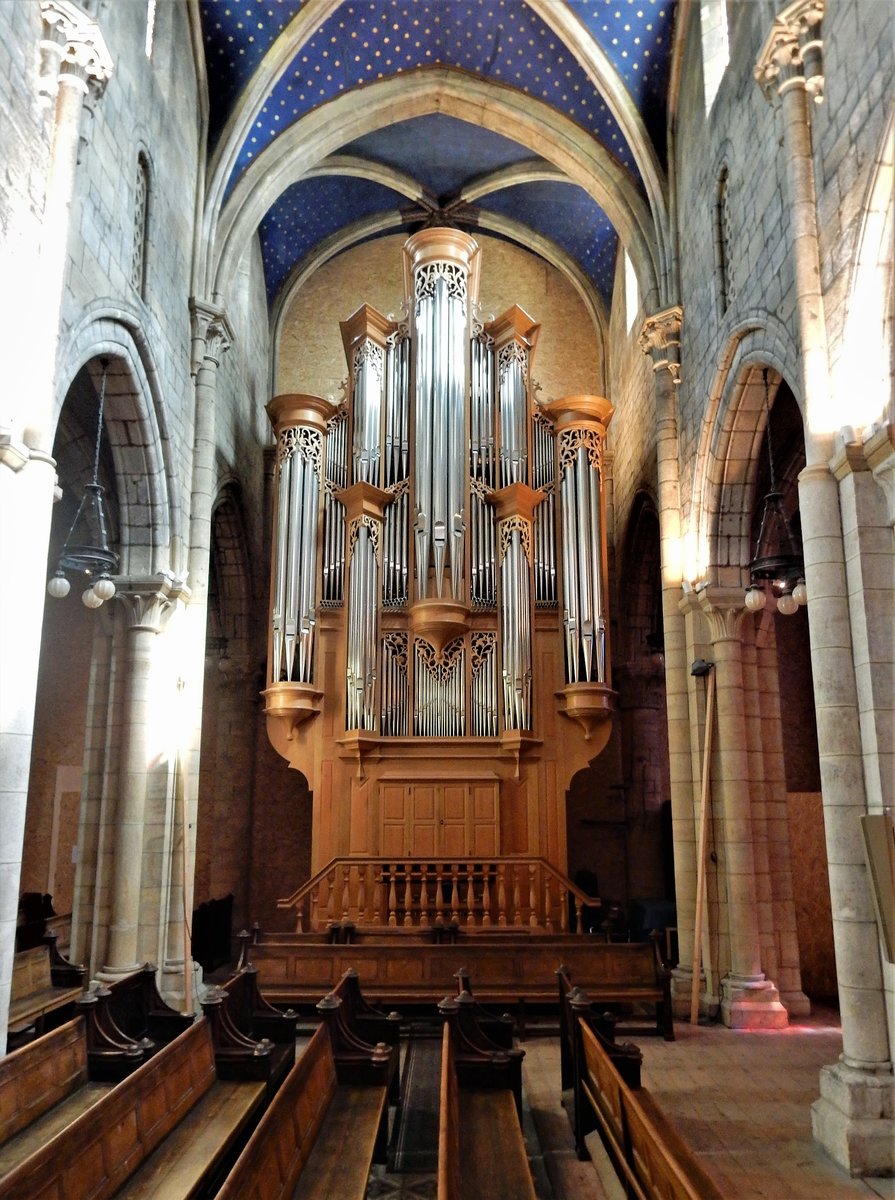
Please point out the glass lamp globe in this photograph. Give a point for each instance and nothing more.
(787, 604)
(104, 588)
(800, 593)
(755, 598)
(58, 586)
(90, 599)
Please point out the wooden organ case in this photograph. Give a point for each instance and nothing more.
(438, 663)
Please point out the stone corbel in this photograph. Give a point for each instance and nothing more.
(793, 51)
(660, 337)
(724, 610)
(150, 602)
(75, 47)
(212, 333)
(879, 452)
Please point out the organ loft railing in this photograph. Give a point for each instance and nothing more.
(439, 570)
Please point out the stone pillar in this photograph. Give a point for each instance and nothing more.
(74, 57)
(748, 999)
(212, 336)
(854, 1119)
(660, 338)
(147, 603)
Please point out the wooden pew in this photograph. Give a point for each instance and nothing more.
(260, 1024)
(160, 1133)
(498, 1028)
(574, 1006)
(649, 1155)
(324, 1128)
(139, 1012)
(43, 1087)
(638, 976)
(45, 987)
(371, 1023)
(481, 1151)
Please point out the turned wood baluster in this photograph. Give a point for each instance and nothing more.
(517, 897)
(533, 894)
(377, 896)
(424, 898)
(470, 894)
(486, 894)
(315, 899)
(579, 914)
(502, 894)
(346, 893)
(439, 899)
(331, 897)
(362, 893)
(392, 897)
(548, 905)
(455, 893)
(408, 898)
(563, 909)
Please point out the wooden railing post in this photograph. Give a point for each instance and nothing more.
(517, 897)
(408, 896)
(392, 896)
(424, 898)
(501, 895)
(486, 893)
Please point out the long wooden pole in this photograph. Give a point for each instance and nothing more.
(700, 852)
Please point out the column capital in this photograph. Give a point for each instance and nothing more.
(660, 337)
(793, 51)
(211, 331)
(75, 47)
(724, 610)
(149, 602)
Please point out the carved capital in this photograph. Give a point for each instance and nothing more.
(660, 337)
(793, 51)
(211, 331)
(724, 610)
(75, 46)
(149, 603)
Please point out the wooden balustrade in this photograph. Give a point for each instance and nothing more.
(412, 893)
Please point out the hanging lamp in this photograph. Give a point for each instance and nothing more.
(777, 565)
(86, 549)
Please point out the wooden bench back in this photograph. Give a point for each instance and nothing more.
(96, 1153)
(448, 1123)
(631, 963)
(31, 972)
(272, 1161)
(651, 1158)
(37, 1077)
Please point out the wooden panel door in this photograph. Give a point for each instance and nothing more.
(484, 841)
(393, 819)
(423, 839)
(455, 825)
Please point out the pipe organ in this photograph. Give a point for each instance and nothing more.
(438, 620)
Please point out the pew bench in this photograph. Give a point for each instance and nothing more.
(650, 1157)
(633, 974)
(163, 1132)
(319, 1136)
(44, 989)
(481, 1150)
(44, 1086)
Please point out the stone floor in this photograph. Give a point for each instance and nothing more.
(741, 1099)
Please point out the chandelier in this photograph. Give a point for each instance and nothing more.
(86, 549)
(777, 565)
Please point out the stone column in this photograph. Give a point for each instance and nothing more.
(660, 338)
(212, 336)
(74, 58)
(854, 1119)
(748, 999)
(147, 603)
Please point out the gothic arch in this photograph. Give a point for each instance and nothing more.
(521, 118)
(722, 483)
(136, 427)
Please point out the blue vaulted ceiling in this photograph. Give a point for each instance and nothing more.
(503, 41)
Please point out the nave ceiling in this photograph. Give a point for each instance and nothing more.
(312, 143)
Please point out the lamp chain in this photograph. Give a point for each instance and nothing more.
(102, 401)
(767, 409)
